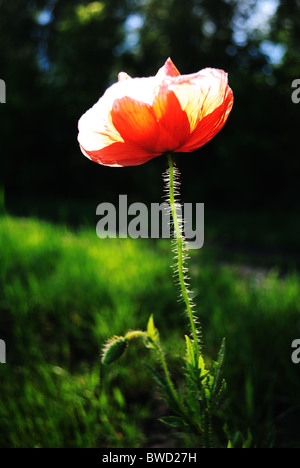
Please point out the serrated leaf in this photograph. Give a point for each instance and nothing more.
(218, 383)
(163, 385)
(207, 393)
(190, 356)
(159, 379)
(221, 354)
(217, 398)
(152, 332)
(201, 365)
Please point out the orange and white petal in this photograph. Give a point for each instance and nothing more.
(120, 154)
(135, 122)
(211, 123)
(168, 69)
(173, 124)
(121, 128)
(200, 93)
(96, 128)
(138, 119)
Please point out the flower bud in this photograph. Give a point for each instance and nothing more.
(114, 349)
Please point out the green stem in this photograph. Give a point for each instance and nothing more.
(157, 347)
(180, 257)
(135, 334)
(167, 375)
(138, 333)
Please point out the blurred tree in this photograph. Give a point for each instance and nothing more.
(193, 33)
(82, 46)
(58, 57)
(19, 68)
(286, 30)
(209, 33)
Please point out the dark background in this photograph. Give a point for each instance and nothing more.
(64, 292)
(58, 57)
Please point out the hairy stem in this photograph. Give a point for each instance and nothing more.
(180, 256)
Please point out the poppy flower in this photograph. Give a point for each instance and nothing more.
(138, 119)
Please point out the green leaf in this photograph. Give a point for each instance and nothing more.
(201, 365)
(153, 335)
(162, 383)
(159, 379)
(248, 442)
(221, 354)
(218, 382)
(190, 356)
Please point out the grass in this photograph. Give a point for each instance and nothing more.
(64, 292)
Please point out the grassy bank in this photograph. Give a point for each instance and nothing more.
(63, 293)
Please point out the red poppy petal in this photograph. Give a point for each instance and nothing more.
(120, 154)
(135, 121)
(168, 69)
(209, 125)
(174, 126)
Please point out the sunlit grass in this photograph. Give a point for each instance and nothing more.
(63, 293)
